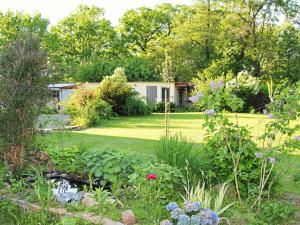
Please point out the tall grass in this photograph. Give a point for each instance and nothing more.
(180, 152)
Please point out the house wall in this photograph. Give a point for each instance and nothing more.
(141, 88)
(65, 94)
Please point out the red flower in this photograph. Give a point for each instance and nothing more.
(151, 176)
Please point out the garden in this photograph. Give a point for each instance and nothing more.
(231, 155)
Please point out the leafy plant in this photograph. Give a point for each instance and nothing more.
(156, 179)
(135, 106)
(87, 108)
(198, 193)
(179, 152)
(109, 165)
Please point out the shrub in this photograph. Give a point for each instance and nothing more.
(23, 93)
(161, 177)
(115, 90)
(65, 158)
(87, 109)
(110, 165)
(179, 152)
(273, 212)
(221, 162)
(160, 107)
(135, 106)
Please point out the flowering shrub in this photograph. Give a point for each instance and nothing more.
(159, 177)
(192, 213)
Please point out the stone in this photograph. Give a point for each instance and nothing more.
(128, 217)
(89, 200)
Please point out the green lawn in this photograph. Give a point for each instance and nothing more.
(139, 135)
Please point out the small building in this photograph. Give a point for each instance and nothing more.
(61, 93)
(153, 92)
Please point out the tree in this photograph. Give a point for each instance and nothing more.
(23, 92)
(12, 24)
(141, 26)
(81, 37)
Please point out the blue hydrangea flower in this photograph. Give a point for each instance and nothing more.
(197, 206)
(171, 206)
(166, 222)
(189, 207)
(176, 213)
(183, 220)
(214, 217)
(196, 220)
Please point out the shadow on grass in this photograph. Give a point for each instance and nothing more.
(142, 147)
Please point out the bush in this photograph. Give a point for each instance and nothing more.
(135, 106)
(110, 165)
(165, 178)
(23, 93)
(273, 212)
(87, 109)
(221, 162)
(115, 90)
(160, 107)
(179, 152)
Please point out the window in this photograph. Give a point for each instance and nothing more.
(163, 94)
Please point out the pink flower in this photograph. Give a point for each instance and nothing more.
(151, 176)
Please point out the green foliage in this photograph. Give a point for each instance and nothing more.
(87, 108)
(115, 90)
(65, 158)
(22, 75)
(14, 215)
(179, 152)
(109, 165)
(160, 107)
(168, 179)
(239, 141)
(135, 106)
(273, 212)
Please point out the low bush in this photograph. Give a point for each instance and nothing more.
(156, 178)
(87, 108)
(115, 90)
(221, 162)
(273, 212)
(135, 106)
(110, 165)
(179, 152)
(160, 107)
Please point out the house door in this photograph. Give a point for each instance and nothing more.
(180, 97)
(152, 94)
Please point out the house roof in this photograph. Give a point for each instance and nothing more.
(63, 86)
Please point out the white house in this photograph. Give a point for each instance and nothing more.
(154, 92)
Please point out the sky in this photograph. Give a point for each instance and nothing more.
(55, 10)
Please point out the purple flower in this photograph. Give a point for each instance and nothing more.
(259, 155)
(176, 213)
(270, 116)
(210, 112)
(272, 160)
(171, 206)
(196, 98)
(297, 138)
(166, 222)
(215, 85)
(265, 112)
